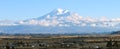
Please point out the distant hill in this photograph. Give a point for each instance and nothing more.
(117, 32)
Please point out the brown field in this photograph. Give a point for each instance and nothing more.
(61, 42)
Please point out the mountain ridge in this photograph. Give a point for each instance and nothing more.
(62, 21)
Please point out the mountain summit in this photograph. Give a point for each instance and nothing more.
(63, 21)
(57, 12)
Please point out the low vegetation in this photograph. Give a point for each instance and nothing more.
(60, 42)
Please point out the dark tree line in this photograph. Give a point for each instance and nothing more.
(112, 44)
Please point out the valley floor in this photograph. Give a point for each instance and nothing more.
(60, 42)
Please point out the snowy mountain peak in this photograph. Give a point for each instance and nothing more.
(61, 17)
(59, 12)
(62, 11)
(62, 21)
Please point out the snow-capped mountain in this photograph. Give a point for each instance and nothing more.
(63, 21)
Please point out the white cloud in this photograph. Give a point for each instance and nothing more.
(44, 23)
(54, 22)
(89, 19)
(48, 22)
(7, 23)
(104, 19)
(21, 22)
(2, 24)
(74, 19)
(63, 25)
(83, 24)
(32, 22)
(93, 25)
(115, 20)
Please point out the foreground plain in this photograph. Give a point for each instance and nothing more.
(61, 42)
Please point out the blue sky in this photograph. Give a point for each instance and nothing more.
(26, 9)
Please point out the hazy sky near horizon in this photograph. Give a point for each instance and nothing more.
(26, 9)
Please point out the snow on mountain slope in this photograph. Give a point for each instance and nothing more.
(63, 21)
(61, 17)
